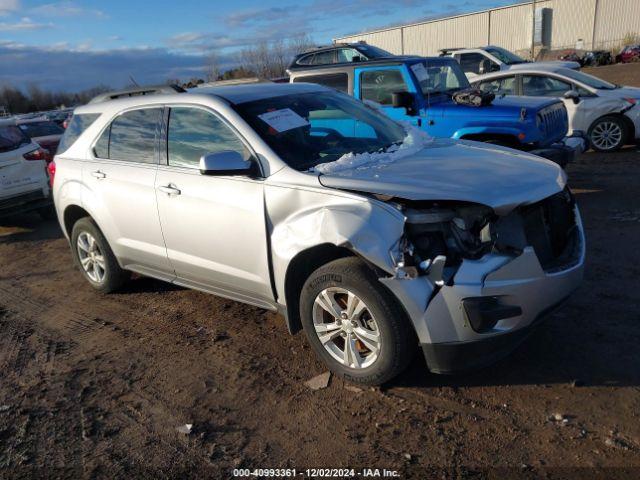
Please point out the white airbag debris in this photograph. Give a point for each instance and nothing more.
(415, 141)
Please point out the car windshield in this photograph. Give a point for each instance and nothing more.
(505, 56)
(439, 76)
(41, 129)
(373, 52)
(587, 79)
(308, 129)
(11, 138)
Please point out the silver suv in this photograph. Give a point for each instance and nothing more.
(370, 236)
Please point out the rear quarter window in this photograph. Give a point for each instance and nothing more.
(12, 138)
(78, 124)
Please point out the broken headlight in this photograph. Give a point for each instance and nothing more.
(456, 231)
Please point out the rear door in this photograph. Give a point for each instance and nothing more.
(19, 176)
(214, 226)
(121, 177)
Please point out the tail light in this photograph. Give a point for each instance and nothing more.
(51, 168)
(37, 154)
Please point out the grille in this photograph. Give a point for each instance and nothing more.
(550, 228)
(554, 122)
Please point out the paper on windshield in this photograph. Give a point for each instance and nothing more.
(283, 120)
(420, 72)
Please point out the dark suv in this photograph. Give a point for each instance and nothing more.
(337, 53)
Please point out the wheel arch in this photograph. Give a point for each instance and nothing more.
(71, 215)
(303, 264)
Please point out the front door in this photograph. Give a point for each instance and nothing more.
(214, 227)
(377, 84)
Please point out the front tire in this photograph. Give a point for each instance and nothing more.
(95, 258)
(354, 324)
(607, 134)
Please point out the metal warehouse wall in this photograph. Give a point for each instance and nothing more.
(598, 23)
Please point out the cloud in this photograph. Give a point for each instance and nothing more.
(9, 6)
(76, 69)
(25, 23)
(64, 9)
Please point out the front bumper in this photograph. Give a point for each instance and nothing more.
(24, 202)
(565, 152)
(450, 341)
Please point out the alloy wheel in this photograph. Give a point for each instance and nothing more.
(346, 328)
(91, 257)
(606, 135)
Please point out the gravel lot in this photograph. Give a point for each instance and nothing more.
(95, 386)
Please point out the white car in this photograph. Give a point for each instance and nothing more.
(479, 61)
(608, 113)
(24, 184)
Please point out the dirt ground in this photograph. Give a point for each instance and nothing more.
(94, 386)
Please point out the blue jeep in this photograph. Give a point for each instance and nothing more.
(419, 90)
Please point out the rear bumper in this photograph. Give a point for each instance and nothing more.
(24, 202)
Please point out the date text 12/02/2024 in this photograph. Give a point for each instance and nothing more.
(316, 473)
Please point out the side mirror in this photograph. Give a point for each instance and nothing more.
(403, 100)
(227, 162)
(572, 95)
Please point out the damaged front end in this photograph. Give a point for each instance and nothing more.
(466, 274)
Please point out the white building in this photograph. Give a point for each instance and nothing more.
(588, 24)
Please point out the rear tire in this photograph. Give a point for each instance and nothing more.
(354, 324)
(95, 258)
(607, 134)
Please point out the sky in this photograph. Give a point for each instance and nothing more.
(73, 45)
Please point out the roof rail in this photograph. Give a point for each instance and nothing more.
(136, 91)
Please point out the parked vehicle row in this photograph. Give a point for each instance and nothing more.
(371, 236)
(610, 114)
(419, 91)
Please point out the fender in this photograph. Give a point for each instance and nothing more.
(367, 227)
(489, 130)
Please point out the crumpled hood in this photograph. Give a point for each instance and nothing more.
(467, 171)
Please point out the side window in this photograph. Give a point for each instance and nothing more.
(77, 126)
(194, 132)
(134, 134)
(338, 81)
(378, 85)
(537, 85)
(500, 86)
(348, 54)
(101, 148)
(306, 60)
(324, 58)
(470, 62)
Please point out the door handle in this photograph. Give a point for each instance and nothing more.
(98, 174)
(169, 189)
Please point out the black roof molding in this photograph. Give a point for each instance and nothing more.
(138, 91)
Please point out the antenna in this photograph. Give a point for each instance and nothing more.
(133, 80)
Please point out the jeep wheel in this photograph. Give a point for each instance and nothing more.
(607, 134)
(354, 324)
(95, 258)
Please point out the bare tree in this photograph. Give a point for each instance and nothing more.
(213, 68)
(270, 59)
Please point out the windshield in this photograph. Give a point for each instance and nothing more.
(373, 52)
(439, 76)
(587, 79)
(41, 129)
(505, 56)
(308, 129)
